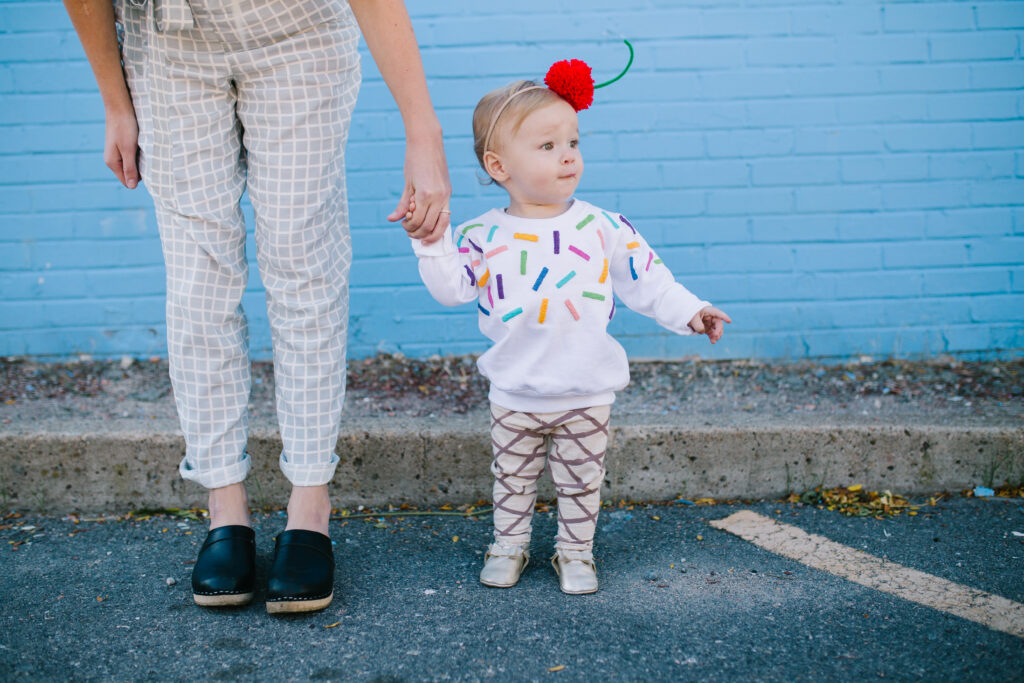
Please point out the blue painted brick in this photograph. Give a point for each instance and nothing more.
(972, 46)
(761, 258)
(924, 77)
(750, 201)
(764, 147)
(837, 198)
(926, 195)
(1007, 250)
(1000, 308)
(1005, 14)
(968, 106)
(925, 254)
(883, 49)
(961, 281)
(880, 226)
(923, 137)
(998, 193)
(750, 143)
(833, 20)
(822, 258)
(968, 223)
(971, 165)
(927, 16)
(787, 228)
(802, 171)
(656, 145)
(998, 134)
(839, 140)
(884, 168)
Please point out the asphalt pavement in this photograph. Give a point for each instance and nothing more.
(679, 600)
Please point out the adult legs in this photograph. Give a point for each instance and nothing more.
(295, 100)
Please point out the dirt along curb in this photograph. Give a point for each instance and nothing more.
(101, 436)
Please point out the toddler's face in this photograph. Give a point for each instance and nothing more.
(542, 164)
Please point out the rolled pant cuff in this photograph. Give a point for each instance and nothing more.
(315, 474)
(218, 477)
(561, 545)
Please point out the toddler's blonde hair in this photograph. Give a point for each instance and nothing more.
(517, 106)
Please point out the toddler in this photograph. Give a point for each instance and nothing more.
(543, 272)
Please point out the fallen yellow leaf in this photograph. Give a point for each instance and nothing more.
(855, 487)
(699, 537)
(455, 539)
(556, 668)
(332, 625)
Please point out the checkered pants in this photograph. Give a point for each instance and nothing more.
(257, 95)
(578, 441)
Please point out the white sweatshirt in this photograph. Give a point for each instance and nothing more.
(543, 288)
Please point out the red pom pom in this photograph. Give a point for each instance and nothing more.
(571, 79)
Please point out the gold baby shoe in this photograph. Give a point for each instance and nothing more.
(503, 564)
(577, 573)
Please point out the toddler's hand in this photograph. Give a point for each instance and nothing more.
(709, 321)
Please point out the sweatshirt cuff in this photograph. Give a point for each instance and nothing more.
(442, 247)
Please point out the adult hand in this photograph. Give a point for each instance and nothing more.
(709, 320)
(121, 147)
(423, 207)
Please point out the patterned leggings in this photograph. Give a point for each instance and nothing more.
(578, 441)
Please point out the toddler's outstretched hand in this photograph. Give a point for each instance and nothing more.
(709, 321)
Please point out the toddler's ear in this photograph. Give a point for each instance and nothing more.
(494, 167)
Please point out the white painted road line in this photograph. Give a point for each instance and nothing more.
(990, 610)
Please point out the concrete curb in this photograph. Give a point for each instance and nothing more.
(129, 464)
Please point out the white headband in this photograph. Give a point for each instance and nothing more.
(494, 119)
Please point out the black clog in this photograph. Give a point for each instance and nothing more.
(225, 570)
(302, 574)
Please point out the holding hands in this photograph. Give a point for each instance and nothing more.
(709, 321)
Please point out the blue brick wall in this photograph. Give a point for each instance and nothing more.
(844, 177)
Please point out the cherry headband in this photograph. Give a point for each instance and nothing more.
(570, 79)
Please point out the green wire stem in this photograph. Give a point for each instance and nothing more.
(628, 64)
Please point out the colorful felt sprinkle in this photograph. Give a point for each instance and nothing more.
(543, 310)
(501, 289)
(490, 235)
(540, 278)
(486, 275)
(556, 241)
(472, 276)
(583, 223)
(650, 257)
(490, 299)
(632, 270)
(612, 312)
(623, 219)
(594, 295)
(463, 250)
(522, 263)
(476, 262)
(600, 236)
(571, 275)
(572, 309)
(473, 244)
(658, 261)
(582, 254)
(495, 252)
(470, 227)
(511, 314)
(482, 309)
(459, 243)
(611, 220)
(525, 236)
(604, 272)
(632, 245)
